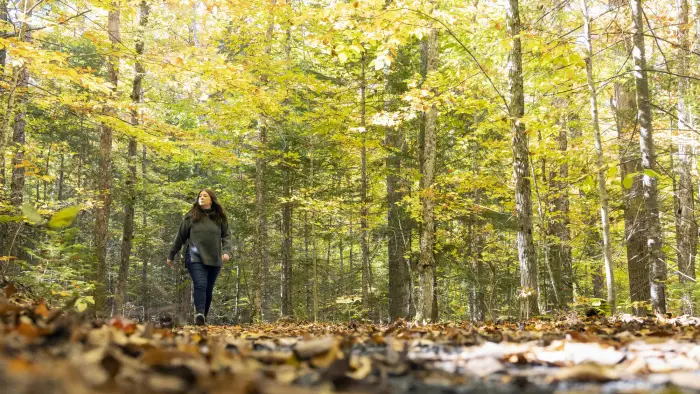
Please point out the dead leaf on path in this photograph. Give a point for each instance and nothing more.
(360, 367)
(324, 360)
(687, 380)
(314, 347)
(28, 330)
(41, 310)
(483, 367)
(585, 373)
(10, 290)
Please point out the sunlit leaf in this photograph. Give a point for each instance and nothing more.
(31, 214)
(64, 217)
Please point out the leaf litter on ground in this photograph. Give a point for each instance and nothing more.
(46, 350)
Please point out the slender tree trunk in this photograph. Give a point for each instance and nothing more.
(687, 228)
(261, 303)
(47, 170)
(397, 225)
(312, 235)
(426, 264)
(105, 168)
(475, 246)
(560, 251)
(144, 249)
(523, 198)
(307, 260)
(19, 138)
(364, 242)
(657, 261)
(61, 174)
(287, 244)
(4, 18)
(130, 205)
(261, 248)
(604, 214)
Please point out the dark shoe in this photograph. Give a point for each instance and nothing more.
(199, 319)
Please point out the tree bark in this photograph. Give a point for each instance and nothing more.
(602, 190)
(260, 306)
(364, 241)
(687, 228)
(397, 223)
(19, 136)
(105, 167)
(130, 204)
(523, 198)
(560, 251)
(426, 263)
(4, 18)
(656, 259)
(145, 295)
(287, 251)
(624, 105)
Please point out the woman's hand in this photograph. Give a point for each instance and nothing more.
(225, 258)
(170, 263)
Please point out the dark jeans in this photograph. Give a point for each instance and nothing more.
(203, 278)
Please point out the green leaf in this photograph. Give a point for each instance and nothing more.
(612, 172)
(31, 214)
(64, 217)
(629, 179)
(81, 305)
(651, 173)
(343, 57)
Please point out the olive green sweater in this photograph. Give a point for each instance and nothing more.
(210, 238)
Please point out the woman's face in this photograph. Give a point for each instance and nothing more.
(204, 200)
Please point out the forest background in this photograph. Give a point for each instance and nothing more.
(429, 160)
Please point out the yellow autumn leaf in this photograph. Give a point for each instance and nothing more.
(64, 217)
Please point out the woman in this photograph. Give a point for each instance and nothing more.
(204, 231)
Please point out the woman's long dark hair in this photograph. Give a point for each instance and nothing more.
(217, 213)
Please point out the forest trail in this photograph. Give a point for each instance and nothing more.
(49, 351)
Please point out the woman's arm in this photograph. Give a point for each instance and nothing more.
(183, 233)
(225, 241)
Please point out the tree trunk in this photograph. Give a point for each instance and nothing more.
(105, 168)
(656, 259)
(287, 245)
(144, 251)
(260, 305)
(604, 214)
(364, 242)
(4, 18)
(687, 228)
(624, 106)
(61, 174)
(397, 223)
(426, 263)
(129, 207)
(19, 136)
(523, 198)
(560, 251)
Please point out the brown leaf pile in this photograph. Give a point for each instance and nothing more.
(46, 351)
